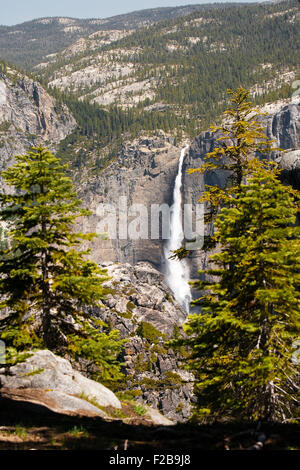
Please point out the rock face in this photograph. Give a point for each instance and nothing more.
(46, 371)
(143, 174)
(143, 309)
(284, 128)
(140, 290)
(29, 116)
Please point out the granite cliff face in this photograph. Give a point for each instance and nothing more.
(143, 173)
(29, 116)
(284, 128)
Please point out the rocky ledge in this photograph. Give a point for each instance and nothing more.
(51, 380)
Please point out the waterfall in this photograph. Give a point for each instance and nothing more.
(177, 271)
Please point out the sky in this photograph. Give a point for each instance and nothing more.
(17, 11)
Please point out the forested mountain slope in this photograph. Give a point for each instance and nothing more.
(28, 43)
(182, 67)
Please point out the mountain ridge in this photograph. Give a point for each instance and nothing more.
(181, 68)
(19, 48)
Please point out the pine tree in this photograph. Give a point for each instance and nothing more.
(242, 138)
(242, 343)
(46, 278)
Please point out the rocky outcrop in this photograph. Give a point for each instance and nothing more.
(284, 128)
(143, 309)
(46, 371)
(140, 292)
(29, 116)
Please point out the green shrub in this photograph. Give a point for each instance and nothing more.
(130, 306)
(140, 410)
(149, 332)
(128, 395)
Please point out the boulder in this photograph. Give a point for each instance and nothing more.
(46, 371)
(157, 418)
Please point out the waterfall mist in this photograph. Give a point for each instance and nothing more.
(177, 271)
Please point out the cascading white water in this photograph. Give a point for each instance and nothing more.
(177, 271)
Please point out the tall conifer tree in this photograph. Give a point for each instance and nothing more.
(242, 343)
(45, 277)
